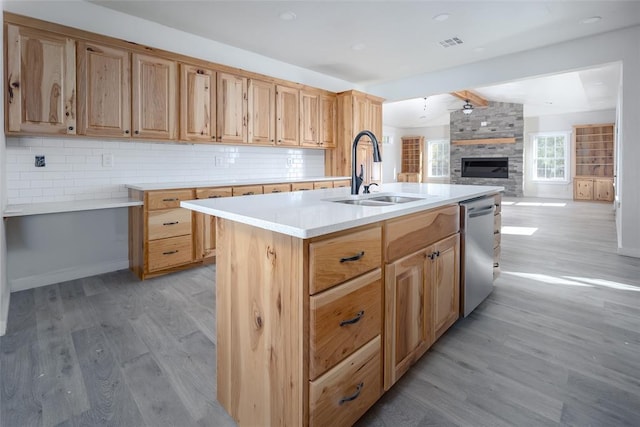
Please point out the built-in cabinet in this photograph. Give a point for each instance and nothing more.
(339, 318)
(197, 104)
(122, 90)
(104, 90)
(356, 112)
(422, 296)
(411, 159)
(594, 165)
(41, 82)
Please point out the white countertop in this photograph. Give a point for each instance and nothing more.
(71, 206)
(228, 182)
(306, 214)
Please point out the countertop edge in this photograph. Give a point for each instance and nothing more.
(69, 206)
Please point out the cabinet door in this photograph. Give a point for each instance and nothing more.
(445, 283)
(287, 112)
(205, 238)
(603, 190)
(154, 97)
(41, 74)
(364, 157)
(104, 90)
(262, 112)
(309, 119)
(361, 116)
(328, 121)
(197, 104)
(583, 189)
(408, 332)
(232, 108)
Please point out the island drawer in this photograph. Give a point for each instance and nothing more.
(168, 223)
(337, 259)
(167, 199)
(169, 252)
(413, 232)
(277, 188)
(344, 394)
(322, 185)
(342, 183)
(213, 193)
(301, 186)
(342, 319)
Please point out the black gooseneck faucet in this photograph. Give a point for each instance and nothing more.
(356, 181)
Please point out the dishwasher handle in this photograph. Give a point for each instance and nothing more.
(481, 212)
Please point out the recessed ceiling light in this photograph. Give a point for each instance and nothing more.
(358, 46)
(441, 17)
(287, 16)
(591, 20)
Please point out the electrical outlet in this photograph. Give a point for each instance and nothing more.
(107, 160)
(218, 161)
(289, 161)
(483, 123)
(40, 163)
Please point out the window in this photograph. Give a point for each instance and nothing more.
(438, 159)
(551, 157)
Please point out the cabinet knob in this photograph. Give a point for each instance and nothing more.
(136, 132)
(127, 131)
(70, 127)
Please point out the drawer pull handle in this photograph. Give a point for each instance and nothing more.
(170, 223)
(353, 258)
(249, 193)
(496, 264)
(354, 396)
(354, 320)
(170, 252)
(214, 197)
(174, 199)
(496, 232)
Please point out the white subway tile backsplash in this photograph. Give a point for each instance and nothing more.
(74, 168)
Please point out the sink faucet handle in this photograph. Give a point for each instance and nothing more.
(367, 187)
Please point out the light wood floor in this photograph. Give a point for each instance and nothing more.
(557, 343)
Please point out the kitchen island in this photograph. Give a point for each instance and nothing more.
(323, 301)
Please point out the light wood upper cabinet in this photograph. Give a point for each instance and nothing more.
(154, 97)
(328, 121)
(41, 75)
(287, 116)
(232, 108)
(197, 104)
(104, 90)
(262, 112)
(309, 118)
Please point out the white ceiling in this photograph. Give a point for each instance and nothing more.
(371, 42)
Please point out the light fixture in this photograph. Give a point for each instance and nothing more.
(591, 20)
(467, 108)
(441, 17)
(288, 16)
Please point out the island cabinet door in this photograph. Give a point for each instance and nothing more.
(445, 283)
(408, 326)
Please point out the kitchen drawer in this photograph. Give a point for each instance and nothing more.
(411, 233)
(337, 259)
(342, 395)
(498, 203)
(342, 183)
(342, 319)
(167, 199)
(168, 223)
(247, 190)
(301, 186)
(213, 193)
(497, 229)
(169, 252)
(277, 188)
(322, 184)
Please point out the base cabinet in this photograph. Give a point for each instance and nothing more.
(598, 189)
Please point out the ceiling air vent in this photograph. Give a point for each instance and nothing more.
(453, 41)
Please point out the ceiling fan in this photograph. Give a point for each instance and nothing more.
(468, 96)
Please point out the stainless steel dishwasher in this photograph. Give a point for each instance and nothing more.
(477, 251)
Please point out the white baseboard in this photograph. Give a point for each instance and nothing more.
(71, 273)
(634, 253)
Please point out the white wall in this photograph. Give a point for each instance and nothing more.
(4, 284)
(555, 123)
(391, 154)
(622, 45)
(74, 168)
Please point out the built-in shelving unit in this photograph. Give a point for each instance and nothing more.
(411, 165)
(594, 162)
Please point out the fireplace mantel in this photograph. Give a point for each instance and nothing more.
(484, 141)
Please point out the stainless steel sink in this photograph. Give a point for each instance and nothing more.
(380, 200)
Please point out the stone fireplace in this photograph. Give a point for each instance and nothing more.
(497, 157)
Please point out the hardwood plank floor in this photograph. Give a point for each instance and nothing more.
(556, 344)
